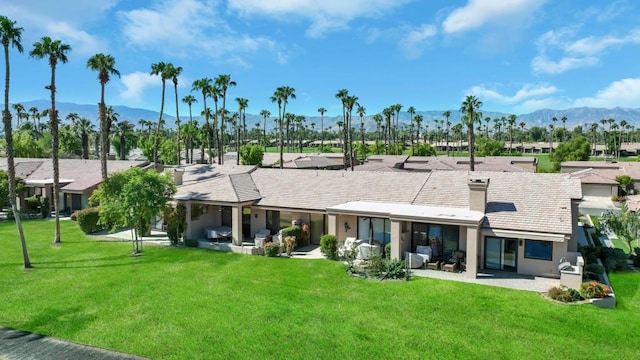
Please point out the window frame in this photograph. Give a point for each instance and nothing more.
(527, 254)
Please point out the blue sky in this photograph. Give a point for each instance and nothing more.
(517, 56)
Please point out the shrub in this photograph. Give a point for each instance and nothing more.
(289, 243)
(74, 215)
(329, 246)
(396, 269)
(271, 249)
(560, 293)
(45, 207)
(594, 268)
(191, 242)
(614, 198)
(636, 258)
(387, 251)
(176, 222)
(293, 230)
(88, 220)
(613, 259)
(594, 289)
(32, 204)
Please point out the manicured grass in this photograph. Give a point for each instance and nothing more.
(183, 303)
(621, 244)
(544, 163)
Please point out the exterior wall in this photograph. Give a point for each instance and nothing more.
(236, 224)
(258, 220)
(332, 226)
(541, 267)
(462, 239)
(396, 239)
(352, 220)
(472, 250)
(211, 218)
(573, 242)
(599, 190)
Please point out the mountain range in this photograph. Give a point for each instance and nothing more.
(575, 116)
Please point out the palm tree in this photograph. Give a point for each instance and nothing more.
(35, 116)
(471, 109)
(342, 96)
(174, 72)
(564, 127)
(105, 66)
(123, 130)
(189, 100)
(522, 126)
(83, 127)
(56, 52)
(164, 71)
(388, 113)
(447, 114)
(223, 82)
(361, 112)
(512, 123)
(282, 96)
(377, 118)
(322, 110)
(73, 117)
(265, 115)
(10, 34)
(411, 111)
(242, 106)
(204, 85)
(418, 119)
(20, 112)
(351, 101)
(457, 130)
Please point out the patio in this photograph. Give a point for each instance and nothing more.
(499, 279)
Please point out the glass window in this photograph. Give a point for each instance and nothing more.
(226, 216)
(536, 249)
(379, 228)
(285, 219)
(443, 239)
(363, 228)
(273, 221)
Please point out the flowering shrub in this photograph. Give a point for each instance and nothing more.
(594, 289)
(271, 249)
(560, 293)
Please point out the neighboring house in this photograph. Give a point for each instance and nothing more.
(520, 222)
(431, 163)
(78, 178)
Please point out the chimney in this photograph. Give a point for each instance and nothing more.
(478, 194)
(177, 176)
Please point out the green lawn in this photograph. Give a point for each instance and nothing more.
(182, 303)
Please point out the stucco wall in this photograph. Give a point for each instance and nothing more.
(599, 190)
(541, 267)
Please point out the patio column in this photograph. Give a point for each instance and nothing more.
(236, 224)
(332, 225)
(396, 239)
(187, 232)
(473, 236)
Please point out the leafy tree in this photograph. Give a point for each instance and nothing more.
(105, 66)
(423, 150)
(625, 224)
(251, 155)
(576, 149)
(626, 184)
(4, 187)
(489, 147)
(168, 151)
(25, 145)
(10, 34)
(132, 198)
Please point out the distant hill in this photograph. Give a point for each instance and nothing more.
(575, 116)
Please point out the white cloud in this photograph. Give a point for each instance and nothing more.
(82, 43)
(416, 38)
(135, 84)
(594, 45)
(624, 93)
(478, 13)
(189, 27)
(532, 105)
(525, 92)
(541, 64)
(325, 15)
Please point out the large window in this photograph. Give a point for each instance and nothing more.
(377, 229)
(443, 239)
(536, 249)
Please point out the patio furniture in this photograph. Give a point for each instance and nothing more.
(420, 258)
(262, 237)
(365, 250)
(217, 233)
(455, 262)
(434, 265)
(450, 267)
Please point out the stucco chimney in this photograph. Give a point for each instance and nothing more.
(478, 193)
(177, 176)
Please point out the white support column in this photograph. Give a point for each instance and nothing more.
(236, 224)
(396, 237)
(187, 232)
(332, 225)
(472, 251)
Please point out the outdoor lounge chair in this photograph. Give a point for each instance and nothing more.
(454, 262)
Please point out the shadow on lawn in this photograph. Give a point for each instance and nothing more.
(75, 317)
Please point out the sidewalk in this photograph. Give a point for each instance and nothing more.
(23, 345)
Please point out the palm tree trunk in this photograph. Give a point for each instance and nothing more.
(156, 141)
(53, 117)
(104, 134)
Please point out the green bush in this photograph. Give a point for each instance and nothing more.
(45, 207)
(329, 246)
(613, 259)
(74, 215)
(387, 251)
(594, 268)
(176, 222)
(294, 230)
(560, 293)
(32, 204)
(594, 289)
(396, 269)
(88, 220)
(271, 249)
(191, 242)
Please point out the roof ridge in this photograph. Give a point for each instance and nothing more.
(424, 183)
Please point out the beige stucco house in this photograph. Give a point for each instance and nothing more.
(519, 222)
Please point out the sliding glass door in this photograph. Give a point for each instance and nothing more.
(501, 253)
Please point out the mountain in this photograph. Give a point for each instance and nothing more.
(575, 116)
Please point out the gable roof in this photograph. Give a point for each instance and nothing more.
(217, 183)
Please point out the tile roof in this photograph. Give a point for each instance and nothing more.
(597, 176)
(217, 183)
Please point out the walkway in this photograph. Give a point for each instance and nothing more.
(505, 280)
(23, 345)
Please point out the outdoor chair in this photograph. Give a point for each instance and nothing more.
(420, 258)
(455, 262)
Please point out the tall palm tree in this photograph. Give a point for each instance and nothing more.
(282, 96)
(342, 96)
(471, 109)
(377, 118)
(105, 66)
(73, 117)
(20, 112)
(418, 119)
(265, 115)
(83, 127)
(351, 101)
(512, 123)
(55, 51)
(322, 110)
(123, 130)
(447, 114)
(204, 85)
(242, 107)
(174, 72)
(388, 113)
(189, 100)
(223, 82)
(35, 116)
(457, 130)
(522, 126)
(164, 71)
(361, 112)
(564, 127)
(11, 35)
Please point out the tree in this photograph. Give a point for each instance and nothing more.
(471, 109)
(105, 66)
(174, 72)
(489, 147)
(265, 115)
(512, 124)
(164, 71)
(322, 110)
(423, 150)
(35, 116)
(447, 114)
(625, 224)
(204, 85)
(10, 34)
(20, 112)
(361, 112)
(131, 199)
(576, 149)
(124, 138)
(282, 96)
(626, 184)
(223, 82)
(242, 107)
(251, 155)
(188, 138)
(55, 51)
